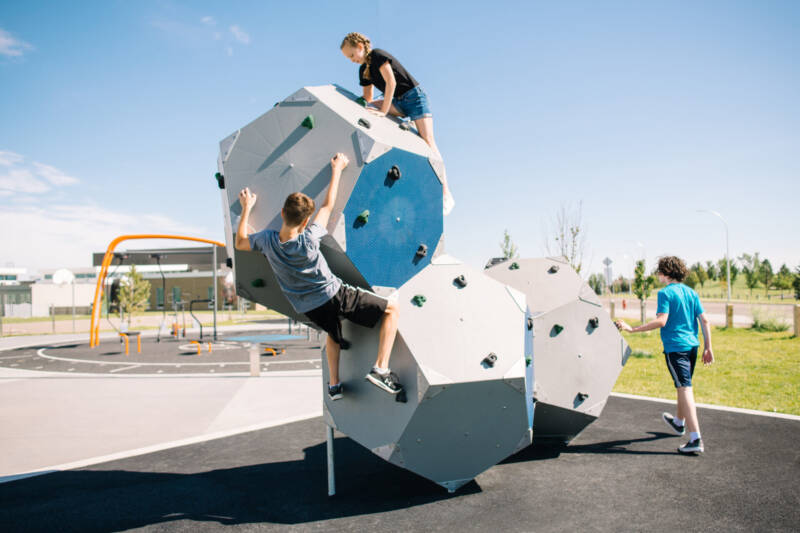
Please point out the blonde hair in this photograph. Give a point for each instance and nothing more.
(354, 39)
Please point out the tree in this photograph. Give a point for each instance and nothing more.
(796, 284)
(702, 275)
(508, 247)
(783, 279)
(597, 282)
(692, 280)
(751, 266)
(766, 274)
(722, 272)
(134, 294)
(711, 269)
(642, 285)
(566, 236)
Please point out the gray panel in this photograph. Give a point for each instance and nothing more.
(557, 425)
(545, 289)
(251, 266)
(463, 430)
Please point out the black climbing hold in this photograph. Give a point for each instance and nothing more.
(594, 322)
(361, 101)
(513, 266)
(363, 216)
(530, 323)
(364, 123)
(553, 269)
(276, 104)
(582, 396)
(308, 122)
(557, 328)
(490, 359)
(258, 282)
(401, 396)
(229, 262)
(405, 126)
(394, 173)
(220, 180)
(418, 300)
(461, 281)
(422, 251)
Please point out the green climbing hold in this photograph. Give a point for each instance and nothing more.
(363, 217)
(513, 266)
(557, 328)
(418, 300)
(258, 282)
(361, 101)
(528, 361)
(308, 122)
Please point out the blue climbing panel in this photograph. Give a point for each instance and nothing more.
(403, 214)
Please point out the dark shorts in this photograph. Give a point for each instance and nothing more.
(356, 305)
(681, 366)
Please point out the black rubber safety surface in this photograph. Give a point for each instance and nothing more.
(621, 474)
(170, 356)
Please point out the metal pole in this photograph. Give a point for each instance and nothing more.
(73, 306)
(53, 316)
(214, 267)
(729, 305)
(2, 311)
(331, 474)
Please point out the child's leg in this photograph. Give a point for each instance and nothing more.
(687, 407)
(425, 128)
(392, 110)
(332, 351)
(386, 335)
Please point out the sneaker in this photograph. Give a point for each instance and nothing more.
(335, 392)
(670, 421)
(692, 447)
(388, 382)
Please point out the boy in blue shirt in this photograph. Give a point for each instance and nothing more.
(677, 314)
(310, 286)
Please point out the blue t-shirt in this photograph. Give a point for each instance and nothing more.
(683, 307)
(302, 272)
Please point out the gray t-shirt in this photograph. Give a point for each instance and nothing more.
(302, 272)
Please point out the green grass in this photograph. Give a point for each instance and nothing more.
(751, 369)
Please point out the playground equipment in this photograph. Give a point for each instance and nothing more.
(490, 360)
(126, 336)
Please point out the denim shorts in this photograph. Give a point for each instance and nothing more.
(681, 366)
(413, 104)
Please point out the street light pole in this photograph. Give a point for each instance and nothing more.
(728, 307)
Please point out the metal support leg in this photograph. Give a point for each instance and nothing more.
(331, 474)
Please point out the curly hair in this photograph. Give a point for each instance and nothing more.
(354, 39)
(297, 208)
(673, 267)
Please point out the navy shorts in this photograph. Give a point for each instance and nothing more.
(681, 366)
(413, 103)
(355, 304)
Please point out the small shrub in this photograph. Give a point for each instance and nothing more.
(641, 354)
(764, 320)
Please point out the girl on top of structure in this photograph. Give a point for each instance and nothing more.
(402, 95)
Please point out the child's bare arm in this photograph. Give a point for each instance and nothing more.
(658, 323)
(338, 163)
(708, 354)
(248, 200)
(368, 93)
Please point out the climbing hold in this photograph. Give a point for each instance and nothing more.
(582, 396)
(594, 322)
(401, 396)
(364, 123)
(422, 251)
(530, 323)
(461, 281)
(513, 266)
(220, 180)
(553, 269)
(363, 216)
(557, 328)
(528, 361)
(405, 126)
(418, 300)
(258, 282)
(394, 173)
(308, 122)
(361, 101)
(489, 360)
(229, 262)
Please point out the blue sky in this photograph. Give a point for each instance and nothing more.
(111, 113)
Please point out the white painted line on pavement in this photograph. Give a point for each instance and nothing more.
(158, 447)
(144, 363)
(16, 356)
(123, 368)
(710, 406)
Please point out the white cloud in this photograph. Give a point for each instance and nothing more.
(208, 21)
(68, 234)
(11, 46)
(35, 178)
(240, 35)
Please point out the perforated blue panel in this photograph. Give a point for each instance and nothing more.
(403, 214)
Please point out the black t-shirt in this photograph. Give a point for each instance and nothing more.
(405, 81)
